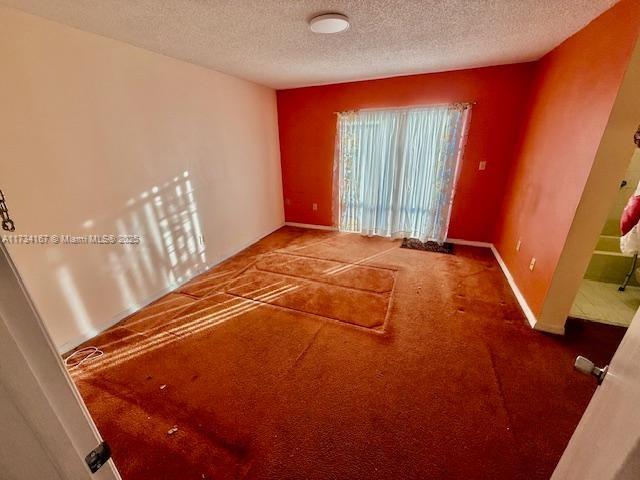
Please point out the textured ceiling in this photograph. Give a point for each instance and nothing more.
(269, 42)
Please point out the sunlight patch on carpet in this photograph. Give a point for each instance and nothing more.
(353, 294)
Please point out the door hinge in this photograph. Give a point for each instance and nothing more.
(98, 457)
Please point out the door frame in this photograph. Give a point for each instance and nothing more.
(37, 382)
(607, 171)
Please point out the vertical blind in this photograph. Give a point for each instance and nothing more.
(396, 170)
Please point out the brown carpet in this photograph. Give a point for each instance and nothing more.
(319, 355)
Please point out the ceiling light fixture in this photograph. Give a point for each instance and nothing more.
(329, 23)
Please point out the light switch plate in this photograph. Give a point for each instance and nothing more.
(315, 207)
(482, 165)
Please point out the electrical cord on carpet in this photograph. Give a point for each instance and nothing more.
(86, 354)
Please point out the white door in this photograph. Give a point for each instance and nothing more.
(606, 444)
(45, 429)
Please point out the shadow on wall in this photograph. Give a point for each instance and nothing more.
(159, 245)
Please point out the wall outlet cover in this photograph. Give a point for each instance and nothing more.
(482, 165)
(315, 207)
(532, 264)
(518, 245)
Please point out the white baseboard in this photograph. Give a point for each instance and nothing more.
(530, 316)
(555, 329)
(528, 313)
(456, 241)
(470, 243)
(309, 225)
(71, 344)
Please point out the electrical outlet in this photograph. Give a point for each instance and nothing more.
(532, 264)
(315, 207)
(482, 165)
(518, 245)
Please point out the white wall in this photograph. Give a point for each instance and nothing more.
(100, 137)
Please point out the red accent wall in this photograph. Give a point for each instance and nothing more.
(538, 126)
(574, 90)
(307, 125)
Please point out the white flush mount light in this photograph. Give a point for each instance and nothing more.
(329, 23)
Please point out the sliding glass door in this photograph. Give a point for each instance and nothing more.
(396, 170)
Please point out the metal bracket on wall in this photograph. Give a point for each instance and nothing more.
(98, 457)
(7, 223)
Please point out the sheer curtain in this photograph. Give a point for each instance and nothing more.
(396, 170)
